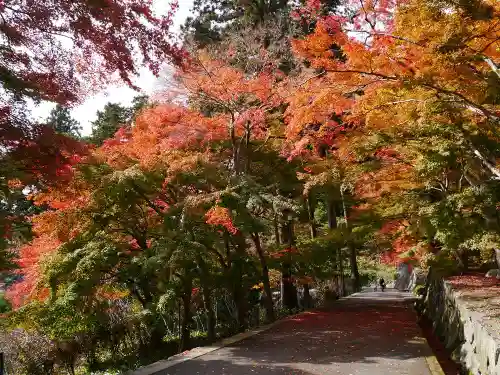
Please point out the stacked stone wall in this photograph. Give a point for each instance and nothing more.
(466, 329)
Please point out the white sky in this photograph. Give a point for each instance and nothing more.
(86, 112)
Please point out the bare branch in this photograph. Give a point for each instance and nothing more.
(379, 33)
(312, 77)
(493, 66)
(487, 164)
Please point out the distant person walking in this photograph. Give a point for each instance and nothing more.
(382, 283)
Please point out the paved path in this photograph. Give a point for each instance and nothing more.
(370, 333)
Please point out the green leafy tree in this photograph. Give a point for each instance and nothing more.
(4, 304)
(138, 104)
(61, 121)
(108, 121)
(113, 117)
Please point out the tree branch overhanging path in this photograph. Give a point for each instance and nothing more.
(308, 149)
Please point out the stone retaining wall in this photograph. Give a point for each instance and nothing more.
(466, 324)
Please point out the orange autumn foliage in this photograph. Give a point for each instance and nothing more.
(379, 72)
(220, 216)
(31, 257)
(394, 67)
(169, 140)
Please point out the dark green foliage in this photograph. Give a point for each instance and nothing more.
(15, 209)
(4, 304)
(239, 32)
(109, 120)
(113, 117)
(213, 18)
(61, 121)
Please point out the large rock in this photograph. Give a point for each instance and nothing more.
(418, 277)
(493, 273)
(403, 280)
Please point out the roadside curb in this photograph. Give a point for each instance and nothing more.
(434, 365)
(202, 350)
(431, 360)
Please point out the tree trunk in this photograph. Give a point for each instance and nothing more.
(276, 223)
(314, 233)
(332, 224)
(353, 261)
(289, 292)
(340, 259)
(268, 297)
(241, 305)
(310, 211)
(234, 273)
(290, 300)
(464, 259)
(307, 297)
(332, 214)
(234, 143)
(186, 314)
(276, 230)
(247, 148)
(497, 256)
(207, 302)
(240, 293)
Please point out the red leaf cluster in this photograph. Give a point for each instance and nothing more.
(218, 215)
(30, 260)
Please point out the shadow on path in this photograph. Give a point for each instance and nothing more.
(363, 336)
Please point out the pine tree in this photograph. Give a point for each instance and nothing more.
(108, 121)
(113, 117)
(61, 121)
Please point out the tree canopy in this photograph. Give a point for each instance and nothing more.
(333, 135)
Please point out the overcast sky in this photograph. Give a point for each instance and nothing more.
(86, 112)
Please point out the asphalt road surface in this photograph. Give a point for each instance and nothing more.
(371, 333)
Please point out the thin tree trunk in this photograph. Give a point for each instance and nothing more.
(289, 295)
(307, 297)
(276, 229)
(207, 302)
(234, 143)
(268, 298)
(332, 224)
(247, 148)
(206, 293)
(240, 295)
(289, 291)
(310, 211)
(179, 319)
(463, 260)
(186, 314)
(314, 233)
(332, 215)
(340, 258)
(353, 261)
(241, 305)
